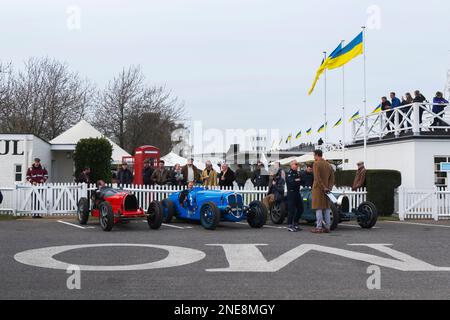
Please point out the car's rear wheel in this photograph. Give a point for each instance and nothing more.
(370, 215)
(209, 216)
(168, 210)
(106, 216)
(278, 212)
(155, 215)
(83, 211)
(257, 215)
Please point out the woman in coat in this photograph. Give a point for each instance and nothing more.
(323, 183)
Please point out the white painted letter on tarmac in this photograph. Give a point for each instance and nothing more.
(74, 280)
(374, 281)
(248, 258)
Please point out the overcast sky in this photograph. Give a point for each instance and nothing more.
(241, 63)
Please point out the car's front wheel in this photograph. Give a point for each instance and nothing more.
(335, 216)
(155, 215)
(83, 211)
(209, 216)
(278, 212)
(106, 216)
(257, 214)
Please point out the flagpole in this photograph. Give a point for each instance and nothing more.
(343, 113)
(325, 100)
(365, 96)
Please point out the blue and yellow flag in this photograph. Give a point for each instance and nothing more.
(354, 117)
(323, 67)
(289, 138)
(299, 135)
(323, 128)
(348, 53)
(338, 123)
(309, 131)
(377, 110)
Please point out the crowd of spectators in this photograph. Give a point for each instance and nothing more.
(407, 101)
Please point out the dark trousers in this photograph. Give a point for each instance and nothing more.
(295, 207)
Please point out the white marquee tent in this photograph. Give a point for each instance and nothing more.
(84, 130)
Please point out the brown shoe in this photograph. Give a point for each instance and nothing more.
(325, 230)
(317, 230)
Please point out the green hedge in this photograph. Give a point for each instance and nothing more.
(96, 154)
(380, 185)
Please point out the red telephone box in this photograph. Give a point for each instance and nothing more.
(136, 163)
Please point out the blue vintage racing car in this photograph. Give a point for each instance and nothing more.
(210, 207)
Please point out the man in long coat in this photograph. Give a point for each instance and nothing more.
(323, 183)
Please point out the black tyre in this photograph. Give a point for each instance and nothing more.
(370, 218)
(335, 217)
(257, 215)
(83, 211)
(209, 216)
(106, 216)
(168, 210)
(155, 215)
(278, 213)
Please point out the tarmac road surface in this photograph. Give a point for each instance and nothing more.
(184, 261)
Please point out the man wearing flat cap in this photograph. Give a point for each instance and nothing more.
(360, 178)
(37, 174)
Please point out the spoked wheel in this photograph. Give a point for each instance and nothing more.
(106, 216)
(155, 215)
(209, 216)
(257, 215)
(83, 211)
(278, 212)
(369, 216)
(168, 210)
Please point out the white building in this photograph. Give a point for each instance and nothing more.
(17, 152)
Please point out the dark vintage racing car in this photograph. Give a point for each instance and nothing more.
(113, 206)
(210, 207)
(366, 214)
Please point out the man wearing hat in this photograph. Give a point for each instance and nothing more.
(124, 176)
(360, 177)
(37, 174)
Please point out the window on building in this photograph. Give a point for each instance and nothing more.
(18, 175)
(440, 174)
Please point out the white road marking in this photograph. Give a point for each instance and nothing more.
(71, 224)
(265, 226)
(176, 227)
(272, 227)
(44, 257)
(173, 226)
(419, 224)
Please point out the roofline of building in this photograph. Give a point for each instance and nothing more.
(376, 141)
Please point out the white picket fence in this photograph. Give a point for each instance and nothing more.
(62, 199)
(424, 203)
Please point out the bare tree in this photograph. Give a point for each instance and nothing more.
(45, 98)
(117, 102)
(135, 114)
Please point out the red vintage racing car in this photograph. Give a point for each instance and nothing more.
(113, 206)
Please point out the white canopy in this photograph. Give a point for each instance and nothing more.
(302, 159)
(84, 130)
(171, 159)
(309, 157)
